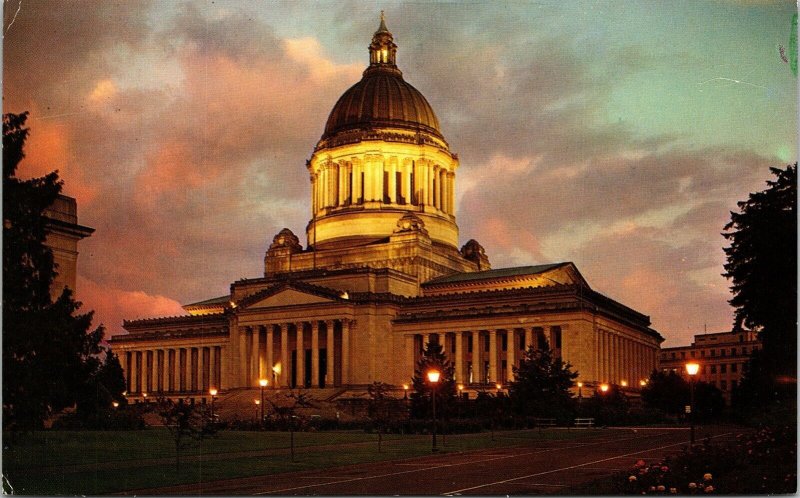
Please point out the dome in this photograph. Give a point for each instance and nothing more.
(382, 99)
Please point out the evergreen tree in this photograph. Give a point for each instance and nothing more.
(433, 357)
(668, 392)
(541, 385)
(48, 352)
(762, 265)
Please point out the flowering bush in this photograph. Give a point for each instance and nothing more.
(756, 463)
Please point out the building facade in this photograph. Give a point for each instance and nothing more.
(721, 356)
(381, 276)
(63, 234)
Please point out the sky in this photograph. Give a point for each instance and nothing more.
(616, 135)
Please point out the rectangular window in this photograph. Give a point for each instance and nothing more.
(733, 351)
(713, 353)
(487, 343)
(723, 368)
(522, 342)
(469, 343)
(722, 352)
(692, 353)
(556, 331)
(683, 355)
(734, 367)
(504, 342)
(713, 369)
(673, 355)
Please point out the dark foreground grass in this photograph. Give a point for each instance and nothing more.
(98, 462)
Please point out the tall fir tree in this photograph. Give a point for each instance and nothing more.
(762, 265)
(49, 352)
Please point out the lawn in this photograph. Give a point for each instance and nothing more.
(102, 462)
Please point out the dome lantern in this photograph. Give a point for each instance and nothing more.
(382, 50)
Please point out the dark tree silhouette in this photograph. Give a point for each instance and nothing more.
(668, 392)
(49, 354)
(762, 265)
(186, 423)
(541, 385)
(433, 357)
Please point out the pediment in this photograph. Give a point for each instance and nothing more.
(288, 297)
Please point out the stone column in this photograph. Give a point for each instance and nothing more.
(134, 384)
(345, 352)
(223, 383)
(493, 370)
(176, 372)
(392, 180)
(270, 360)
(342, 183)
(146, 371)
(212, 367)
(255, 357)
(300, 355)
(315, 354)
(460, 357)
(356, 194)
(201, 369)
(452, 195)
(329, 347)
(429, 183)
(437, 187)
(284, 375)
(528, 337)
(156, 370)
(126, 372)
(477, 362)
(405, 187)
(243, 373)
(511, 356)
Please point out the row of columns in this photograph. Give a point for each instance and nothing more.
(483, 362)
(622, 359)
(386, 180)
(296, 354)
(191, 369)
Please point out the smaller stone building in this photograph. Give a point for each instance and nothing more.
(63, 234)
(721, 356)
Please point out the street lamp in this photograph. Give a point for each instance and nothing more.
(405, 391)
(115, 404)
(623, 383)
(263, 383)
(604, 388)
(213, 393)
(691, 368)
(580, 391)
(258, 404)
(642, 383)
(433, 378)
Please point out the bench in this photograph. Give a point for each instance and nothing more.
(584, 422)
(545, 422)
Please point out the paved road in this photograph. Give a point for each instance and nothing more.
(537, 467)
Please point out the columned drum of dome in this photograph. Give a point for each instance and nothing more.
(381, 156)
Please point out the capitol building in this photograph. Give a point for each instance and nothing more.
(381, 275)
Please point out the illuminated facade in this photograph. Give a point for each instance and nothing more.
(382, 274)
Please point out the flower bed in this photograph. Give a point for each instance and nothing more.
(757, 463)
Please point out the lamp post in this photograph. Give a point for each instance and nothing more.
(580, 392)
(258, 404)
(263, 383)
(603, 388)
(213, 393)
(433, 378)
(405, 391)
(691, 369)
(460, 398)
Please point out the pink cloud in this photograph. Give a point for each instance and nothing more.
(111, 304)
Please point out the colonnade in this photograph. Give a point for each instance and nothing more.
(388, 180)
(295, 354)
(487, 355)
(627, 360)
(189, 369)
